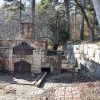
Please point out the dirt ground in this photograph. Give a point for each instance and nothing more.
(19, 87)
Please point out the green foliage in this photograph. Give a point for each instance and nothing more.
(90, 12)
(14, 8)
(43, 5)
(55, 21)
(58, 27)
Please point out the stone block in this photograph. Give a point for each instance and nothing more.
(36, 71)
(68, 57)
(71, 47)
(81, 48)
(97, 72)
(85, 49)
(72, 59)
(68, 46)
(95, 46)
(91, 52)
(91, 45)
(93, 58)
(77, 56)
(76, 49)
(97, 56)
(94, 68)
(67, 52)
(83, 62)
(82, 56)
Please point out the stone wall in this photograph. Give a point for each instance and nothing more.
(8, 58)
(54, 63)
(85, 57)
(38, 60)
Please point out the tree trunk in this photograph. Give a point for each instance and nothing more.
(33, 18)
(68, 14)
(82, 28)
(91, 34)
(55, 46)
(20, 12)
(33, 11)
(86, 19)
(75, 23)
(82, 22)
(96, 4)
(93, 26)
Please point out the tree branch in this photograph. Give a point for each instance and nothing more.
(85, 16)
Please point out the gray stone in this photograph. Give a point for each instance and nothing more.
(85, 49)
(82, 56)
(68, 57)
(77, 55)
(72, 59)
(76, 49)
(97, 56)
(68, 47)
(91, 52)
(71, 47)
(87, 57)
(81, 48)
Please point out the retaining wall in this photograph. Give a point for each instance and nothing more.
(84, 55)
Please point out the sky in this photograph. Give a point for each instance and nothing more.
(1, 1)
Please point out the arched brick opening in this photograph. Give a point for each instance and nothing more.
(22, 67)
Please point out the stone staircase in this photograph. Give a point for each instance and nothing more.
(66, 66)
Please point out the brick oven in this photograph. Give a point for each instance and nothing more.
(22, 54)
(22, 57)
(22, 49)
(26, 55)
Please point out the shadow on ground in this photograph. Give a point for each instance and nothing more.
(5, 77)
(69, 77)
(66, 77)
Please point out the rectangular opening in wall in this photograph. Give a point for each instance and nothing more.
(45, 70)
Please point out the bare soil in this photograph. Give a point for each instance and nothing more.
(22, 89)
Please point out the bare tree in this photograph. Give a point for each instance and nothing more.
(87, 20)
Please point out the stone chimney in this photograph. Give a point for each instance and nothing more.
(27, 30)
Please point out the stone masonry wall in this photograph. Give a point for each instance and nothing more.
(38, 60)
(8, 58)
(84, 55)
